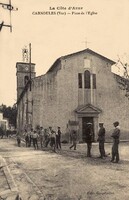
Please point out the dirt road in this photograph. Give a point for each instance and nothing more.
(67, 174)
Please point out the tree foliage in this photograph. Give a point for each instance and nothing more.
(10, 113)
(123, 68)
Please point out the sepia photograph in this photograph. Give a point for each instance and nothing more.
(64, 100)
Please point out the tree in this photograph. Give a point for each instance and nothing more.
(10, 113)
(123, 78)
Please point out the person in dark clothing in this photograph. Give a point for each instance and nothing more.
(1, 132)
(27, 138)
(31, 137)
(58, 138)
(7, 133)
(35, 140)
(74, 139)
(101, 140)
(45, 137)
(18, 140)
(116, 136)
(53, 140)
(89, 138)
(48, 136)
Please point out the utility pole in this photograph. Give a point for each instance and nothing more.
(9, 7)
(30, 63)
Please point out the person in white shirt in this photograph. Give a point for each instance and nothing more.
(41, 136)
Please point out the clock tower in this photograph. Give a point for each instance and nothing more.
(25, 71)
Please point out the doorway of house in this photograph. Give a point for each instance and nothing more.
(86, 120)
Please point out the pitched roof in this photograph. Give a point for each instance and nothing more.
(79, 52)
(88, 108)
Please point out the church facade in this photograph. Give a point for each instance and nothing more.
(77, 89)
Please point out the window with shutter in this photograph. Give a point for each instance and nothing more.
(80, 80)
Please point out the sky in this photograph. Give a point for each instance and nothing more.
(62, 33)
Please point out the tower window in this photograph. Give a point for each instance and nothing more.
(87, 79)
(26, 79)
(80, 80)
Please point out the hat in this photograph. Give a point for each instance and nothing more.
(116, 123)
(101, 123)
(89, 123)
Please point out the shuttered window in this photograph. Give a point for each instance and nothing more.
(80, 80)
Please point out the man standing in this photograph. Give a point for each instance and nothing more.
(115, 135)
(1, 132)
(58, 138)
(41, 135)
(101, 140)
(53, 140)
(18, 140)
(27, 138)
(74, 139)
(30, 137)
(89, 138)
(35, 140)
(48, 136)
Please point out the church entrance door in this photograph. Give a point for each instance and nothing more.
(86, 120)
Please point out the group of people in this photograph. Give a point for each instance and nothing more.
(88, 137)
(43, 137)
(53, 138)
(6, 133)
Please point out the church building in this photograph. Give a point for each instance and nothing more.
(77, 89)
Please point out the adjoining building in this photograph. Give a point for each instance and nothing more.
(4, 123)
(77, 89)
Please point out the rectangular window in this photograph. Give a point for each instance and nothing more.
(87, 79)
(94, 81)
(80, 80)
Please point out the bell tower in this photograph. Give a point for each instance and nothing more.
(25, 72)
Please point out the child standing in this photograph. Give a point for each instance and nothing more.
(18, 140)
